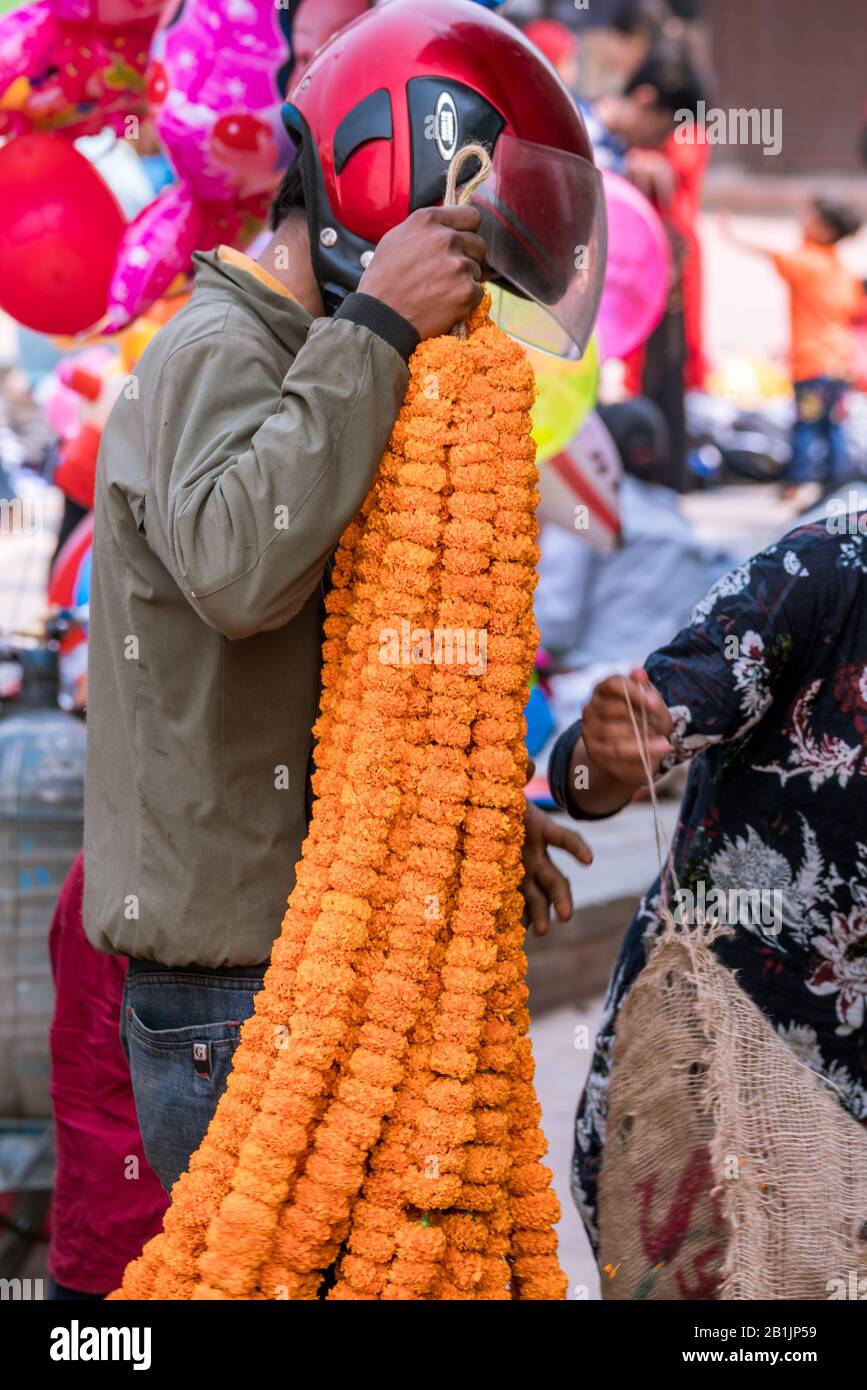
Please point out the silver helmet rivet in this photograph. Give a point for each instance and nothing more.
(328, 236)
(366, 258)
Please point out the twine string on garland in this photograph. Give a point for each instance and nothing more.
(455, 197)
(668, 879)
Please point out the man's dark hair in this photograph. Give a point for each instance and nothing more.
(840, 219)
(670, 70)
(289, 195)
(639, 17)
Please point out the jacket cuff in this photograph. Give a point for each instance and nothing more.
(382, 320)
(558, 774)
(558, 769)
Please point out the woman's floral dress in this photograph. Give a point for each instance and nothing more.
(768, 690)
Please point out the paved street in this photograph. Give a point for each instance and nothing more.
(560, 1072)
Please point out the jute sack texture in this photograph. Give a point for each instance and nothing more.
(731, 1170)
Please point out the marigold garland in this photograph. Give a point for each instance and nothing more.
(379, 1134)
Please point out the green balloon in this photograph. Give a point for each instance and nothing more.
(566, 392)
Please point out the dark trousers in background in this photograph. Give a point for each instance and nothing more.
(179, 1029)
(819, 451)
(663, 382)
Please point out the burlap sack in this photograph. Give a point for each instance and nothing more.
(730, 1170)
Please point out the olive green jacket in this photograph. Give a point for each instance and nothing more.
(244, 444)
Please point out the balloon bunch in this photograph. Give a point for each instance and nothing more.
(212, 74)
(216, 80)
(74, 66)
(213, 79)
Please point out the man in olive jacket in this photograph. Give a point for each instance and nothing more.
(224, 482)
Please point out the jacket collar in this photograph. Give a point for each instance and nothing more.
(280, 313)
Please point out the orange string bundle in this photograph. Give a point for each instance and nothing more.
(379, 1135)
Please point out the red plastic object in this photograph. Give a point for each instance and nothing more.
(60, 229)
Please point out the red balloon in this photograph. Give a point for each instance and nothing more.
(64, 571)
(60, 230)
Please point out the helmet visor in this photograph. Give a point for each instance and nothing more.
(543, 220)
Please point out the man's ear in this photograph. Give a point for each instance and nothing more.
(646, 95)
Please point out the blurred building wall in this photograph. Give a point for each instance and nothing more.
(808, 57)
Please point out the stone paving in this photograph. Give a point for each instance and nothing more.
(560, 1071)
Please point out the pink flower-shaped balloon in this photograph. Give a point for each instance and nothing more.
(216, 80)
(74, 66)
(156, 246)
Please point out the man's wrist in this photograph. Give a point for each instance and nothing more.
(382, 320)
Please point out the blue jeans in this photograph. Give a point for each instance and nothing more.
(819, 451)
(179, 1029)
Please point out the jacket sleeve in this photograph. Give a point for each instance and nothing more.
(253, 480)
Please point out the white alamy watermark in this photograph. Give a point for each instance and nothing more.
(736, 125)
(22, 516)
(22, 1290)
(853, 1286)
(77, 1343)
(733, 907)
(439, 646)
(849, 517)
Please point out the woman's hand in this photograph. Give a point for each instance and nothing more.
(609, 729)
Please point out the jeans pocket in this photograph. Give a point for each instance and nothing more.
(179, 1073)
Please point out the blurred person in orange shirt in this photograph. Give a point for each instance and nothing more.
(825, 298)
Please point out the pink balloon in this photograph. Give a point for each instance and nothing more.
(156, 246)
(64, 406)
(107, 11)
(73, 66)
(216, 80)
(110, 12)
(638, 273)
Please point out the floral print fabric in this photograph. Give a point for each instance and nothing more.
(768, 690)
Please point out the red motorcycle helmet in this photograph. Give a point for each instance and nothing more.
(377, 118)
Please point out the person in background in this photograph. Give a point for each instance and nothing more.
(559, 45)
(824, 300)
(107, 1200)
(672, 361)
(632, 132)
(598, 611)
(641, 116)
(764, 693)
(689, 163)
(637, 66)
(615, 45)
